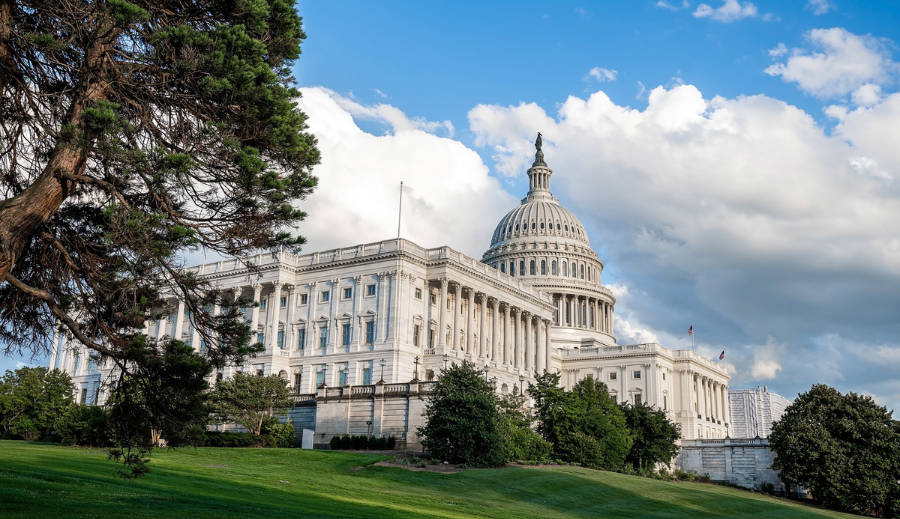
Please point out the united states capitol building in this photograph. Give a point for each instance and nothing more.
(361, 332)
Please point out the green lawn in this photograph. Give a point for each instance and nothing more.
(38, 480)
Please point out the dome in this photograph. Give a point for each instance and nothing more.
(540, 219)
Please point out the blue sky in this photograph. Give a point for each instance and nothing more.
(734, 162)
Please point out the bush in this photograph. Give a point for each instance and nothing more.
(767, 488)
(280, 434)
(346, 442)
(87, 426)
(234, 439)
(362, 442)
(527, 446)
(391, 443)
(335, 443)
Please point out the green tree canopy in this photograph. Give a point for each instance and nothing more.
(584, 425)
(462, 421)
(32, 400)
(248, 400)
(654, 436)
(134, 131)
(844, 449)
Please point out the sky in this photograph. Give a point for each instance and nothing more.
(735, 163)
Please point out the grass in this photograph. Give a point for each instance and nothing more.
(41, 480)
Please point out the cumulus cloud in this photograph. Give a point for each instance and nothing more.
(448, 198)
(819, 6)
(778, 51)
(666, 5)
(730, 11)
(742, 215)
(601, 74)
(836, 63)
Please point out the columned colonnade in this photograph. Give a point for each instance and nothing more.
(576, 311)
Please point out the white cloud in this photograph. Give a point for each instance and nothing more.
(449, 198)
(730, 11)
(837, 63)
(601, 74)
(380, 94)
(778, 51)
(391, 115)
(666, 5)
(867, 95)
(819, 6)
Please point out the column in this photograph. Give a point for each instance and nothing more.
(726, 414)
(470, 318)
(333, 332)
(507, 340)
(274, 312)
(357, 310)
(529, 344)
(457, 310)
(161, 328)
(311, 301)
(549, 344)
(254, 315)
(442, 317)
(179, 320)
(495, 331)
(55, 349)
(611, 323)
(541, 348)
(393, 305)
(482, 347)
(517, 337)
(289, 319)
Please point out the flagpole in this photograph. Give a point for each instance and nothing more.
(400, 212)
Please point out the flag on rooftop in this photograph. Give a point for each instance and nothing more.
(722, 355)
(691, 330)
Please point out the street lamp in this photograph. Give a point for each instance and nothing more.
(521, 384)
(486, 370)
(382, 362)
(416, 375)
(324, 376)
(446, 358)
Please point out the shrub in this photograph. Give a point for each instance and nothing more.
(335, 443)
(527, 446)
(87, 426)
(391, 443)
(282, 435)
(346, 442)
(234, 439)
(767, 488)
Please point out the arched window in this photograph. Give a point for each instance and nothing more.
(567, 227)
(582, 272)
(574, 270)
(553, 268)
(522, 268)
(512, 268)
(565, 269)
(542, 226)
(543, 267)
(503, 267)
(517, 227)
(557, 226)
(508, 228)
(532, 226)
(532, 268)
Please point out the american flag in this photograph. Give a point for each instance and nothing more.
(722, 355)
(691, 330)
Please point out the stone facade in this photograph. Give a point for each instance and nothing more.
(744, 462)
(754, 411)
(337, 323)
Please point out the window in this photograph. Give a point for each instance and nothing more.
(84, 396)
(636, 374)
(348, 293)
(582, 272)
(517, 227)
(320, 378)
(326, 296)
(304, 299)
(512, 268)
(301, 338)
(503, 267)
(431, 338)
(574, 270)
(567, 228)
(557, 226)
(282, 302)
(342, 377)
(323, 337)
(532, 270)
(612, 376)
(419, 294)
(553, 269)
(433, 299)
(281, 339)
(262, 304)
(665, 403)
(522, 267)
(298, 380)
(417, 329)
(345, 334)
(664, 376)
(370, 290)
(543, 267)
(77, 358)
(565, 269)
(370, 332)
(367, 376)
(589, 273)
(260, 338)
(637, 399)
(532, 226)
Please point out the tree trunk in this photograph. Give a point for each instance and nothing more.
(22, 215)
